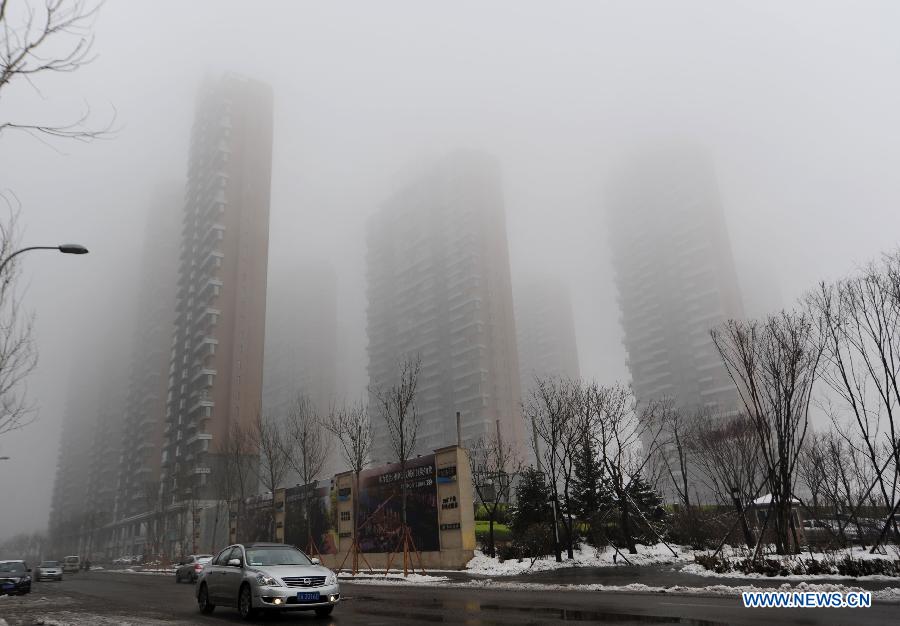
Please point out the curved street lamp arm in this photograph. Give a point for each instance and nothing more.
(80, 250)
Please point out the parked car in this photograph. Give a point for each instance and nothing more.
(71, 564)
(190, 567)
(257, 577)
(15, 577)
(48, 570)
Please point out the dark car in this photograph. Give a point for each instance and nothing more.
(190, 567)
(15, 577)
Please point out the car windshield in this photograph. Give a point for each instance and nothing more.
(49, 563)
(276, 556)
(204, 559)
(12, 566)
(71, 559)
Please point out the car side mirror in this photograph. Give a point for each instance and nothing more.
(315, 561)
(28, 570)
(234, 562)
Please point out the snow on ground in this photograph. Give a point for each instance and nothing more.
(739, 553)
(394, 577)
(856, 553)
(129, 570)
(699, 570)
(890, 594)
(586, 556)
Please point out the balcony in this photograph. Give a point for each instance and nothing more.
(212, 286)
(199, 437)
(206, 347)
(201, 403)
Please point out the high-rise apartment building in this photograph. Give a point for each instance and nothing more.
(301, 345)
(546, 332)
(216, 359)
(84, 494)
(145, 407)
(439, 289)
(675, 276)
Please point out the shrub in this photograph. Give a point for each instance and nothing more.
(536, 541)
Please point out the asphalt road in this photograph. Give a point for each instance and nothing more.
(104, 599)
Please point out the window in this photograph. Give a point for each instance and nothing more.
(221, 558)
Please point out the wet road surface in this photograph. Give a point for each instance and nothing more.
(103, 598)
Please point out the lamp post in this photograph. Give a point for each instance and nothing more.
(66, 248)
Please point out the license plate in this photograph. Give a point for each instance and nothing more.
(308, 596)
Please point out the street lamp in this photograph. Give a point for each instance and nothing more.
(66, 248)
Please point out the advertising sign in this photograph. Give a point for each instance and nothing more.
(317, 501)
(380, 506)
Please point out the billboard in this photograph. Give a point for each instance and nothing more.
(316, 500)
(380, 506)
(254, 521)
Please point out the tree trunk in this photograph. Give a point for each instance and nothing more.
(493, 552)
(568, 524)
(556, 548)
(626, 526)
(403, 492)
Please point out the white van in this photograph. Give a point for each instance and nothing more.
(71, 564)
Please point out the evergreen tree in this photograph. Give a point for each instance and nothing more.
(651, 517)
(532, 502)
(587, 483)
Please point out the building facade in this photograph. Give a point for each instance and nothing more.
(216, 358)
(301, 345)
(675, 276)
(138, 482)
(545, 329)
(438, 287)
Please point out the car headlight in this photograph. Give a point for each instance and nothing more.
(331, 579)
(267, 581)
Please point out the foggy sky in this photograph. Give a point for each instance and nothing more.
(799, 106)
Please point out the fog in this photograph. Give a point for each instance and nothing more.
(798, 105)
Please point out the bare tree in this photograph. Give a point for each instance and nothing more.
(859, 321)
(352, 427)
(306, 447)
(774, 366)
(628, 438)
(494, 463)
(676, 446)
(549, 411)
(726, 452)
(53, 36)
(397, 404)
(234, 483)
(18, 355)
(811, 468)
(267, 436)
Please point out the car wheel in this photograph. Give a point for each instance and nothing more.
(245, 603)
(177, 579)
(324, 611)
(206, 607)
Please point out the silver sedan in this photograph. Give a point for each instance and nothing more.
(257, 577)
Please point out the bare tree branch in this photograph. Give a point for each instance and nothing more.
(54, 38)
(18, 354)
